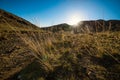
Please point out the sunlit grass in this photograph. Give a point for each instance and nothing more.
(66, 56)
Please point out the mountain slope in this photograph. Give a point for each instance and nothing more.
(87, 26)
(99, 26)
(57, 28)
(7, 19)
(14, 53)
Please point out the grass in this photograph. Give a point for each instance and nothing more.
(64, 56)
(76, 56)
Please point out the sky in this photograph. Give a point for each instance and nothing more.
(45, 13)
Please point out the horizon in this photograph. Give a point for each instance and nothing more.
(44, 13)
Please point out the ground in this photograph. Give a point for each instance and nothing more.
(42, 55)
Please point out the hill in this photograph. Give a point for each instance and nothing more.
(57, 28)
(98, 26)
(87, 26)
(8, 19)
(14, 54)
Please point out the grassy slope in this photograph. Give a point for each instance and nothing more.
(65, 56)
(13, 54)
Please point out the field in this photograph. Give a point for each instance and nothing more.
(44, 55)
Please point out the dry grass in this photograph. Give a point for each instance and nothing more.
(65, 56)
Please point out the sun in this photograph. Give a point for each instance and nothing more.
(74, 19)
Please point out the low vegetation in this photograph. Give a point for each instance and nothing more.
(66, 56)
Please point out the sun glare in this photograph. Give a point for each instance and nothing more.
(74, 19)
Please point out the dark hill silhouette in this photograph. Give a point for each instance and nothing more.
(99, 25)
(87, 26)
(57, 28)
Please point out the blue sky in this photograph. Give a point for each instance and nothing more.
(51, 12)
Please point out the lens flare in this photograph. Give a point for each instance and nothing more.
(74, 19)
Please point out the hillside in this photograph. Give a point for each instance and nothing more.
(99, 26)
(57, 28)
(87, 26)
(14, 54)
(8, 19)
(54, 53)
